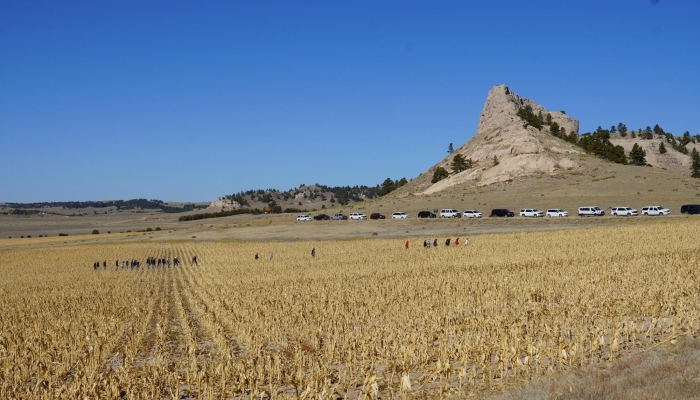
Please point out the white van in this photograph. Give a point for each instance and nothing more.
(450, 213)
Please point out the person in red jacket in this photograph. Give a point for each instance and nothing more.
(406, 245)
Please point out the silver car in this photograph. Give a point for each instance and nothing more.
(472, 214)
(399, 215)
(556, 212)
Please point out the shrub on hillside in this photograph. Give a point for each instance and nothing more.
(439, 174)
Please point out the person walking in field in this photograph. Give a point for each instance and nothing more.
(313, 252)
(447, 242)
(271, 256)
(257, 257)
(457, 242)
(435, 243)
(405, 246)
(194, 261)
(104, 264)
(466, 241)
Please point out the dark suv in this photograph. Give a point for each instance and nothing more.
(690, 209)
(377, 216)
(501, 212)
(426, 214)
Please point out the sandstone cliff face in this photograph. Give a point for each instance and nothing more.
(222, 205)
(502, 106)
(521, 150)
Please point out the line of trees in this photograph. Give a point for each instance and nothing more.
(598, 143)
(194, 217)
(21, 212)
(389, 185)
(342, 195)
(132, 204)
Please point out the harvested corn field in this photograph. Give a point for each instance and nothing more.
(361, 319)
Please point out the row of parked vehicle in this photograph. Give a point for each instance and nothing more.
(586, 211)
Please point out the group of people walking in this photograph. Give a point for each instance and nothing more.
(161, 262)
(427, 244)
(151, 262)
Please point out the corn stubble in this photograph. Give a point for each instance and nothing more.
(364, 319)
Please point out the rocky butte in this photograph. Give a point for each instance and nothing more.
(521, 150)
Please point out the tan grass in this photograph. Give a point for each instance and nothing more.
(364, 319)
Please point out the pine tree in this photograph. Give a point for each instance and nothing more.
(495, 161)
(637, 155)
(388, 186)
(459, 164)
(685, 139)
(695, 168)
(439, 174)
(554, 129)
(622, 128)
(662, 148)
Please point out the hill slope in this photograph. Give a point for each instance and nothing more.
(672, 160)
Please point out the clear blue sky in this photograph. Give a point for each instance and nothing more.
(190, 100)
